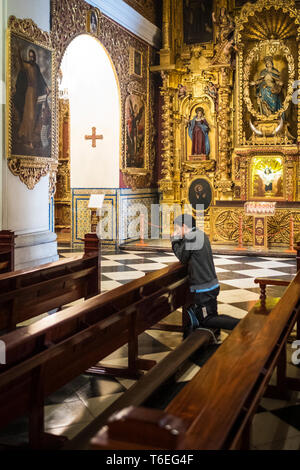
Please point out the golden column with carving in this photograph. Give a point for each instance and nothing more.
(223, 175)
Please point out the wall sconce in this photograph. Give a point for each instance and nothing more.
(95, 203)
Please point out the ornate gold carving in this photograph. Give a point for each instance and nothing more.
(29, 30)
(117, 41)
(30, 171)
(248, 26)
(135, 180)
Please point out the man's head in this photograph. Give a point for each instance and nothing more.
(184, 223)
(32, 56)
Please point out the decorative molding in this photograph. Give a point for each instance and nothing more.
(130, 19)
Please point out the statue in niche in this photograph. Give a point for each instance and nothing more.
(198, 129)
(225, 25)
(212, 90)
(269, 89)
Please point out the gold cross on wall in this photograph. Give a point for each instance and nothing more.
(93, 137)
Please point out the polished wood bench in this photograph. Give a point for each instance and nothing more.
(28, 293)
(44, 356)
(7, 250)
(215, 409)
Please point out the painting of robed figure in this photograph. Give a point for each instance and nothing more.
(30, 99)
(198, 130)
(269, 88)
(135, 131)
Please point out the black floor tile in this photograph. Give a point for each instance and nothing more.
(230, 275)
(290, 415)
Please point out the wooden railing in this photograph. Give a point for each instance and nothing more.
(27, 293)
(214, 410)
(46, 355)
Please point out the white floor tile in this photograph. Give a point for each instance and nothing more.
(148, 266)
(109, 285)
(224, 261)
(124, 275)
(226, 309)
(237, 295)
(269, 264)
(247, 283)
(121, 257)
(261, 273)
(165, 259)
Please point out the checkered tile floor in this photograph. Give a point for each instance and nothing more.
(71, 409)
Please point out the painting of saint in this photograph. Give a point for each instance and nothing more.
(31, 67)
(135, 135)
(198, 129)
(200, 193)
(269, 89)
(197, 18)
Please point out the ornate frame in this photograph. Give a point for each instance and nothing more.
(31, 169)
(132, 71)
(251, 197)
(97, 13)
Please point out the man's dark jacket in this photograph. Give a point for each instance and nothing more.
(195, 251)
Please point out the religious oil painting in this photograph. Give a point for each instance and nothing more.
(93, 21)
(136, 62)
(269, 86)
(198, 133)
(197, 19)
(200, 193)
(135, 131)
(30, 99)
(267, 178)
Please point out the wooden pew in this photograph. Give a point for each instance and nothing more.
(7, 254)
(78, 337)
(214, 411)
(25, 294)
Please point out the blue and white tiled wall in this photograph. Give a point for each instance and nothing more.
(120, 216)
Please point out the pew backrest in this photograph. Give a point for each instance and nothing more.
(59, 347)
(27, 293)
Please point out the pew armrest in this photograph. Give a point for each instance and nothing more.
(271, 282)
(263, 283)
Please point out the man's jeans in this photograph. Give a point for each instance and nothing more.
(206, 311)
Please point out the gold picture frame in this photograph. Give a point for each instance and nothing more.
(31, 134)
(93, 21)
(136, 63)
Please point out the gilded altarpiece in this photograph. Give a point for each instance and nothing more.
(229, 115)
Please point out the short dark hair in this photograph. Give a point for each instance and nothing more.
(185, 219)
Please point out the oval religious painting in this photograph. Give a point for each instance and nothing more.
(200, 193)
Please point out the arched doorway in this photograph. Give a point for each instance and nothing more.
(89, 106)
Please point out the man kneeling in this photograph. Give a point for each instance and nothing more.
(192, 247)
